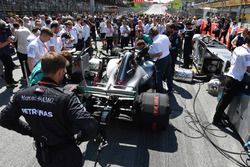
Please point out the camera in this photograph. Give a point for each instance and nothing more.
(5, 28)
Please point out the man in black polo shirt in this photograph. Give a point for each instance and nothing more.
(5, 55)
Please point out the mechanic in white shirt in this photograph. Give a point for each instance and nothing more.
(86, 34)
(34, 34)
(125, 31)
(147, 27)
(109, 36)
(69, 28)
(161, 26)
(159, 51)
(240, 66)
(38, 47)
(102, 31)
(233, 34)
(55, 43)
(21, 34)
(79, 30)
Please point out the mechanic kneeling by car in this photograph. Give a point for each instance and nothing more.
(55, 119)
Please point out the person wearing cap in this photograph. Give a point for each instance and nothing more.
(38, 47)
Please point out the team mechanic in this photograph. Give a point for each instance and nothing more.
(55, 119)
(234, 83)
(159, 51)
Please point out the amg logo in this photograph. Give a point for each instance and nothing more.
(40, 113)
(42, 99)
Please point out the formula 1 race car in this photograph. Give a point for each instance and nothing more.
(127, 90)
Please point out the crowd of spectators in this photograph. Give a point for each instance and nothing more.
(36, 35)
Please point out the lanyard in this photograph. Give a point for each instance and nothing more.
(46, 83)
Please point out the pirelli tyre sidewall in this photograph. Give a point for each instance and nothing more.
(153, 110)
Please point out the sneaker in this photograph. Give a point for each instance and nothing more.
(11, 85)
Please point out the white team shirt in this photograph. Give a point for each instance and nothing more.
(234, 30)
(36, 50)
(55, 42)
(73, 35)
(147, 28)
(161, 28)
(239, 62)
(109, 31)
(78, 27)
(125, 30)
(30, 38)
(86, 32)
(199, 22)
(21, 36)
(102, 27)
(160, 44)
